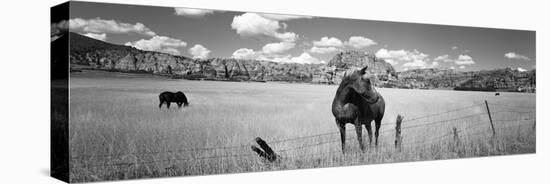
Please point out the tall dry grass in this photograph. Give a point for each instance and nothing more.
(117, 130)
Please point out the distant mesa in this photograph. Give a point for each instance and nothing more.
(347, 61)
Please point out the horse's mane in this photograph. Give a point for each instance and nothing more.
(346, 80)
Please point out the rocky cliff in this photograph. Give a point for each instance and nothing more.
(347, 61)
(506, 79)
(95, 54)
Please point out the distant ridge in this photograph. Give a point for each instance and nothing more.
(81, 43)
(96, 54)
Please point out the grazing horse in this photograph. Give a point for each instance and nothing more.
(497, 94)
(357, 102)
(169, 97)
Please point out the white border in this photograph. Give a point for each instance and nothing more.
(25, 70)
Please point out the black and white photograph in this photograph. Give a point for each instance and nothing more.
(180, 91)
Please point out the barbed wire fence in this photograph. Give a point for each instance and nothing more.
(495, 117)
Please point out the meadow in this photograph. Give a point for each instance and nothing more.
(117, 131)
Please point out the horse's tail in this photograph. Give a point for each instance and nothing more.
(185, 101)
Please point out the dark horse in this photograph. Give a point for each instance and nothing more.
(169, 97)
(357, 102)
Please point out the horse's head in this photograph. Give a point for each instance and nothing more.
(362, 85)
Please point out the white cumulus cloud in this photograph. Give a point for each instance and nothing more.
(328, 42)
(274, 58)
(101, 36)
(416, 64)
(411, 58)
(323, 50)
(274, 48)
(359, 42)
(244, 53)
(434, 64)
(252, 24)
(444, 58)
(286, 36)
(159, 44)
(199, 51)
(392, 56)
(464, 60)
(98, 25)
(305, 58)
(191, 12)
(512, 55)
(387, 54)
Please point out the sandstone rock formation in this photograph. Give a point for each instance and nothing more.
(105, 56)
(96, 54)
(346, 61)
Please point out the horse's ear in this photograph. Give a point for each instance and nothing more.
(363, 70)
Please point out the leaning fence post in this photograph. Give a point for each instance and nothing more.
(265, 151)
(398, 138)
(490, 118)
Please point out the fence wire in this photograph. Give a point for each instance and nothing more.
(80, 160)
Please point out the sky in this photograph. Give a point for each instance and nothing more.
(200, 33)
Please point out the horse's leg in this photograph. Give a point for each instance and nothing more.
(179, 104)
(369, 131)
(342, 128)
(160, 105)
(168, 104)
(358, 130)
(377, 123)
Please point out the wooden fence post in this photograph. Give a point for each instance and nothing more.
(265, 151)
(455, 136)
(398, 138)
(490, 118)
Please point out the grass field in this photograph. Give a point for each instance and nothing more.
(117, 130)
